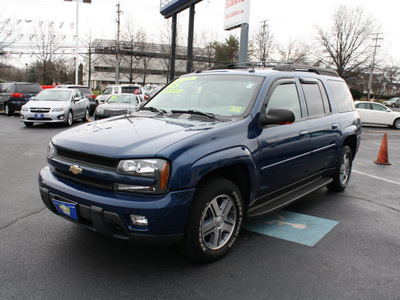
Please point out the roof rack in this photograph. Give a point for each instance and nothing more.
(247, 65)
(304, 68)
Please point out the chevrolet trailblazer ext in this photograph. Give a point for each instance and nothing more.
(210, 149)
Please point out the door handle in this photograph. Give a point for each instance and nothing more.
(335, 126)
(303, 133)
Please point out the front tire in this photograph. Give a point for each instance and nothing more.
(215, 220)
(341, 176)
(70, 118)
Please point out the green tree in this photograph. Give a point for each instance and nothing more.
(227, 52)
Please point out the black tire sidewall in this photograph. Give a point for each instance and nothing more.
(337, 185)
(68, 119)
(193, 241)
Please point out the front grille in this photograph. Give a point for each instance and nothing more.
(101, 184)
(89, 160)
(39, 110)
(39, 119)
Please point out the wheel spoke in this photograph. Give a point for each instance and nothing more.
(208, 226)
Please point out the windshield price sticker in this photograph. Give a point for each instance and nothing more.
(173, 88)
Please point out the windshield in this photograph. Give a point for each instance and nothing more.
(120, 99)
(223, 95)
(53, 95)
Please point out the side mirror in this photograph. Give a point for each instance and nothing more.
(277, 115)
(76, 99)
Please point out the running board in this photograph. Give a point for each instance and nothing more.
(288, 198)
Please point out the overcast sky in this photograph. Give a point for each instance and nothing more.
(288, 19)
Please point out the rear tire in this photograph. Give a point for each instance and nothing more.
(341, 176)
(215, 220)
(396, 123)
(86, 117)
(7, 110)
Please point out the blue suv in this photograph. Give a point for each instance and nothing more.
(210, 149)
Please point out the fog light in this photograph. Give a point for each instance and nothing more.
(139, 220)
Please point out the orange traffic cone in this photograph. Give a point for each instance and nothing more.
(383, 153)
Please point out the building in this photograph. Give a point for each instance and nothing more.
(138, 62)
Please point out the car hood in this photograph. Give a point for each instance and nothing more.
(130, 136)
(47, 104)
(116, 106)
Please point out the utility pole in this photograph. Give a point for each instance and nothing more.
(373, 65)
(263, 26)
(117, 47)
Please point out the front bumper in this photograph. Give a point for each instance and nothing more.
(50, 117)
(109, 212)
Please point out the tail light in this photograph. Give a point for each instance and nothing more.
(92, 96)
(146, 97)
(17, 95)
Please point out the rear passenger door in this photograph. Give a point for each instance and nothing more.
(323, 126)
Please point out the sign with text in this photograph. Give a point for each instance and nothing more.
(236, 13)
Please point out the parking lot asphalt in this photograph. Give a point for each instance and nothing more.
(45, 257)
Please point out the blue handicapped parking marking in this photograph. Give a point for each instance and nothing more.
(291, 226)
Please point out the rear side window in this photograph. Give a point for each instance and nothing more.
(130, 89)
(27, 88)
(342, 95)
(316, 99)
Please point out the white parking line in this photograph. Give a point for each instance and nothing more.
(376, 177)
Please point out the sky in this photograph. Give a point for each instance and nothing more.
(288, 20)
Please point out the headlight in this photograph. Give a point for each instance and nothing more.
(158, 169)
(99, 111)
(51, 150)
(59, 109)
(24, 108)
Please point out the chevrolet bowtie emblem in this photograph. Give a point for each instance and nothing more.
(75, 169)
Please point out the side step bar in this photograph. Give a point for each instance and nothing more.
(288, 198)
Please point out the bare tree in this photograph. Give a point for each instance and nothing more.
(7, 37)
(262, 44)
(294, 52)
(347, 45)
(47, 43)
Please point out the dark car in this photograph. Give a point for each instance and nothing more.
(15, 94)
(86, 91)
(210, 149)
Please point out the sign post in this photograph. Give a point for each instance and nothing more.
(77, 41)
(237, 14)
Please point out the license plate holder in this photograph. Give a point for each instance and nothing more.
(68, 209)
(39, 116)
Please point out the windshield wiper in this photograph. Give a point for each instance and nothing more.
(153, 109)
(194, 112)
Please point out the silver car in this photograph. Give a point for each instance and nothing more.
(119, 104)
(56, 106)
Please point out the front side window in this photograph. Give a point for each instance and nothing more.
(378, 107)
(285, 96)
(222, 95)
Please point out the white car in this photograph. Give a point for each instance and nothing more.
(56, 106)
(120, 89)
(372, 113)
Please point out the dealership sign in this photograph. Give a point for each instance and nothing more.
(169, 7)
(236, 13)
